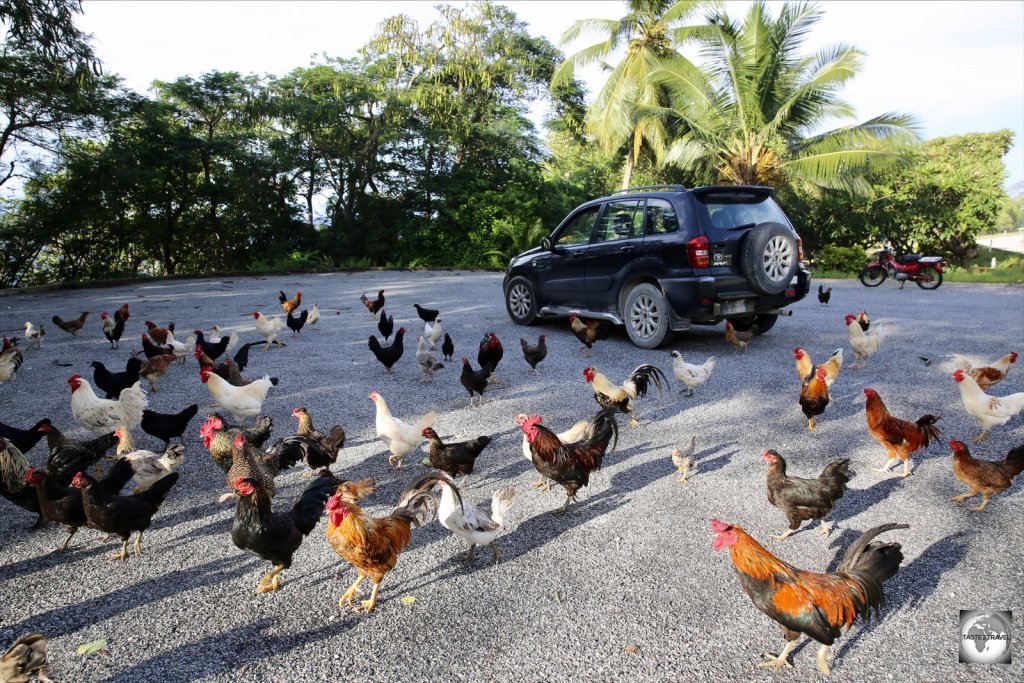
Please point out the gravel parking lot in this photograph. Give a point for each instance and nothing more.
(624, 586)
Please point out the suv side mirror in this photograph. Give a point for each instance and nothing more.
(545, 242)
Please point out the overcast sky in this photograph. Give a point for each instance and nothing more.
(957, 66)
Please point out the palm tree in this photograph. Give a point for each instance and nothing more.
(651, 34)
(751, 115)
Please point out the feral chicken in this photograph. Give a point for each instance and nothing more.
(158, 334)
(805, 367)
(386, 324)
(68, 457)
(290, 305)
(569, 464)
(990, 411)
(426, 360)
(475, 381)
(72, 327)
(166, 426)
(241, 402)
(122, 515)
(155, 368)
(824, 295)
(34, 335)
(276, 536)
(432, 331)
(571, 435)
(814, 397)
(427, 315)
(13, 466)
(589, 332)
(215, 349)
(181, 350)
(153, 350)
(819, 606)
(25, 660)
(331, 444)
(683, 460)
(375, 305)
(372, 545)
(100, 415)
(988, 375)
(25, 439)
(447, 346)
(535, 354)
(473, 524)
(985, 477)
(454, 458)
(218, 435)
(122, 314)
(268, 328)
(400, 437)
(898, 437)
(693, 376)
(314, 317)
(147, 467)
(388, 355)
(112, 330)
(623, 398)
(248, 462)
(10, 360)
(806, 499)
(739, 340)
(862, 320)
(113, 383)
(295, 324)
(863, 345)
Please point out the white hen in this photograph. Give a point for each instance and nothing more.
(182, 350)
(863, 344)
(149, 467)
(575, 433)
(991, 411)
(693, 376)
(314, 317)
(433, 332)
(102, 416)
(471, 523)
(241, 402)
(268, 328)
(401, 438)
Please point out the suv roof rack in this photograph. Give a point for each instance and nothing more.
(650, 188)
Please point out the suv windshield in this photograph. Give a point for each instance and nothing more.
(733, 212)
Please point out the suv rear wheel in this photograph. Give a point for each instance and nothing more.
(770, 258)
(521, 301)
(647, 316)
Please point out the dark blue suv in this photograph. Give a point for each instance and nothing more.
(660, 259)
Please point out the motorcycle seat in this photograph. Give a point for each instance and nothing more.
(910, 258)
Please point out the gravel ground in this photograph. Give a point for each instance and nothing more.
(626, 585)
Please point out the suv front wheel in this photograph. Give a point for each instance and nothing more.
(521, 301)
(646, 315)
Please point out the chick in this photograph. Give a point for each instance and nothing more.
(25, 660)
(684, 460)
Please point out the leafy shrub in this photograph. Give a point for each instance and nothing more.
(841, 259)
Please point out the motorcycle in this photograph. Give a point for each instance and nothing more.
(926, 271)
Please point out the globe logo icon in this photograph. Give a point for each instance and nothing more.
(985, 637)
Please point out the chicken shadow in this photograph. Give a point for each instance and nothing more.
(855, 501)
(716, 463)
(81, 548)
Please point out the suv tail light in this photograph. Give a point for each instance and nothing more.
(799, 250)
(698, 252)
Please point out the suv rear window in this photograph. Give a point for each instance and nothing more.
(726, 213)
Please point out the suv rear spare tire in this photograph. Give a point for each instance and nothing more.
(647, 316)
(521, 301)
(769, 258)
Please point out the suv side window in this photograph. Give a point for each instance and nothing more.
(622, 220)
(579, 230)
(661, 217)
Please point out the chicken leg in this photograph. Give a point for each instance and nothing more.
(470, 554)
(64, 547)
(980, 437)
(984, 503)
(888, 464)
(561, 511)
(368, 605)
(124, 551)
(497, 553)
(906, 467)
(824, 654)
(138, 544)
(780, 661)
(272, 581)
(783, 537)
(825, 528)
(350, 594)
(542, 484)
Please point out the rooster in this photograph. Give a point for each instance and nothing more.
(535, 354)
(985, 477)
(372, 545)
(622, 398)
(426, 360)
(314, 317)
(805, 367)
(898, 437)
(824, 295)
(102, 416)
(490, 353)
(34, 335)
(218, 436)
(122, 314)
(290, 305)
(571, 435)
(427, 315)
(739, 340)
(474, 525)
(375, 305)
(991, 411)
(112, 330)
(818, 605)
(814, 397)
(806, 499)
(432, 331)
(159, 334)
(388, 355)
(241, 402)
(386, 325)
(71, 326)
(25, 660)
(276, 536)
(683, 460)
(570, 465)
(10, 360)
(987, 376)
(862, 320)
(268, 328)
(400, 437)
(454, 458)
(693, 376)
(863, 344)
(589, 332)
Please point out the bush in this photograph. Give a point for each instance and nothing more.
(840, 259)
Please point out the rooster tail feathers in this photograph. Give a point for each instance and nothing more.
(642, 377)
(501, 501)
(1015, 460)
(310, 506)
(926, 423)
(417, 505)
(875, 561)
(282, 298)
(603, 423)
(427, 420)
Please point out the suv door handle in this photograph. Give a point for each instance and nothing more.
(626, 249)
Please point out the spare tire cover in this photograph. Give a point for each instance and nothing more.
(770, 258)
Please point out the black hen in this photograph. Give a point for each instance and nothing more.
(454, 458)
(68, 457)
(213, 350)
(386, 324)
(475, 381)
(448, 346)
(152, 350)
(241, 357)
(296, 324)
(113, 383)
(824, 294)
(276, 537)
(168, 426)
(535, 354)
(25, 439)
(805, 499)
(113, 330)
(427, 315)
(388, 355)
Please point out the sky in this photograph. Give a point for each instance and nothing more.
(957, 66)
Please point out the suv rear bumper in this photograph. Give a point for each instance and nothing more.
(712, 298)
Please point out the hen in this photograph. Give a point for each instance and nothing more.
(571, 435)
(330, 444)
(863, 344)
(454, 458)
(181, 350)
(100, 415)
(386, 324)
(295, 324)
(987, 375)
(490, 353)
(168, 426)
(400, 437)
(25, 439)
(372, 545)
(898, 437)
(290, 305)
(375, 305)
(241, 402)
(123, 515)
(819, 606)
(806, 499)
(10, 360)
(112, 330)
(426, 360)
(215, 349)
(71, 326)
(34, 335)
(388, 355)
(824, 295)
(693, 376)
(535, 354)
(623, 398)
(314, 317)
(684, 460)
(152, 350)
(155, 368)
(473, 524)
(990, 411)
(159, 334)
(739, 340)
(427, 315)
(570, 464)
(475, 381)
(147, 467)
(589, 332)
(447, 346)
(25, 660)
(276, 536)
(268, 328)
(814, 397)
(432, 331)
(984, 477)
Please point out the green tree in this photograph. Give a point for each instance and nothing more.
(651, 34)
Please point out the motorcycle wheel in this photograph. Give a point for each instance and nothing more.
(872, 276)
(929, 278)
